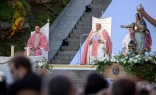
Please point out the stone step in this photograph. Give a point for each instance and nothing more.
(84, 23)
(82, 35)
(60, 61)
(87, 21)
(76, 40)
(88, 15)
(76, 35)
(97, 13)
(81, 30)
(78, 77)
(100, 1)
(83, 26)
(94, 13)
(71, 40)
(74, 44)
(79, 33)
(94, 6)
(91, 14)
(67, 48)
(64, 57)
(84, 18)
(67, 52)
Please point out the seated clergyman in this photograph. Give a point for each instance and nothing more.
(36, 42)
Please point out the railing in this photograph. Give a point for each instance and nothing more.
(79, 57)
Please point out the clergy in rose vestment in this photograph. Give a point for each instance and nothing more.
(37, 42)
(97, 45)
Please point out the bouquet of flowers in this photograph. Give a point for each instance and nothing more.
(43, 64)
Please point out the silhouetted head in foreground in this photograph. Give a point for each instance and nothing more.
(19, 66)
(3, 85)
(26, 81)
(144, 92)
(95, 83)
(60, 85)
(123, 87)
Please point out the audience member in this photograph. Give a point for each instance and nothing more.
(123, 87)
(60, 85)
(23, 88)
(88, 8)
(144, 92)
(28, 83)
(21, 71)
(27, 92)
(144, 88)
(95, 83)
(103, 92)
(3, 86)
(65, 42)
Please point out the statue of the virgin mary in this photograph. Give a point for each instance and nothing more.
(140, 37)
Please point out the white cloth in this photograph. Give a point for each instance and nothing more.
(36, 40)
(35, 43)
(125, 43)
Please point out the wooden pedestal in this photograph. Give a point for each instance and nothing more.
(108, 73)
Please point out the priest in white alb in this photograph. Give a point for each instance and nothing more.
(37, 42)
(97, 45)
(125, 43)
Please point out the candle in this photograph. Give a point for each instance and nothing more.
(12, 50)
(28, 51)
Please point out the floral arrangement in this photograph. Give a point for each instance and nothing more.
(142, 66)
(43, 64)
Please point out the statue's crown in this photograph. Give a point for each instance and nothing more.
(138, 11)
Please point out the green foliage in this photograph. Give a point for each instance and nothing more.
(102, 64)
(43, 64)
(33, 14)
(27, 9)
(39, 17)
(42, 12)
(144, 67)
(141, 66)
(144, 71)
(18, 40)
(65, 2)
(5, 12)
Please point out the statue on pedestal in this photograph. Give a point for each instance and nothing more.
(141, 41)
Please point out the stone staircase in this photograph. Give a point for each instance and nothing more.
(65, 54)
(78, 77)
(77, 74)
